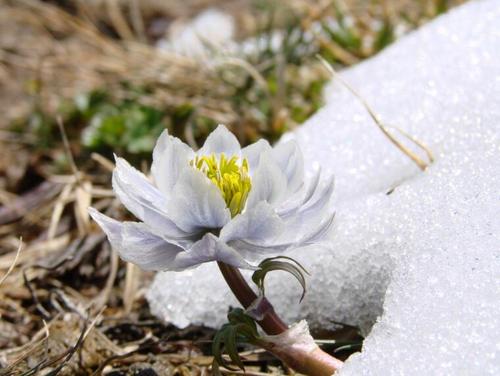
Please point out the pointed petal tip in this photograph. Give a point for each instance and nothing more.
(161, 142)
(121, 162)
(220, 140)
(102, 220)
(94, 213)
(221, 129)
(223, 126)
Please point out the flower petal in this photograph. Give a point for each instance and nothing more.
(132, 177)
(253, 153)
(198, 203)
(320, 199)
(209, 248)
(311, 234)
(144, 200)
(110, 226)
(255, 224)
(137, 244)
(220, 141)
(268, 183)
(170, 157)
(289, 158)
(304, 229)
(300, 198)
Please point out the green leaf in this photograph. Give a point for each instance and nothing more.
(385, 36)
(241, 328)
(215, 368)
(238, 316)
(289, 259)
(272, 264)
(231, 346)
(217, 346)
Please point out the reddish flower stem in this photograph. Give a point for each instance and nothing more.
(317, 362)
(271, 323)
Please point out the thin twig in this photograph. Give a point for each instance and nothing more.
(131, 279)
(67, 147)
(11, 268)
(118, 20)
(414, 157)
(103, 161)
(137, 20)
(245, 65)
(45, 314)
(103, 298)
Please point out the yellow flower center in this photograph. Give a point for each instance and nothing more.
(230, 175)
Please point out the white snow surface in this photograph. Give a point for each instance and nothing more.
(414, 259)
(211, 29)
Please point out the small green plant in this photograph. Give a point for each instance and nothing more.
(104, 123)
(240, 328)
(127, 126)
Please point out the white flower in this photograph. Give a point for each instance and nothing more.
(222, 203)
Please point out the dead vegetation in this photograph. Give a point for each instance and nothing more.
(68, 305)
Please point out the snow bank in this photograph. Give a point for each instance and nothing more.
(416, 252)
(211, 29)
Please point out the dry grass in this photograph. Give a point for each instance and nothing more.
(86, 59)
(68, 305)
(48, 54)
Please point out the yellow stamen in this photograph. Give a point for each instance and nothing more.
(230, 175)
